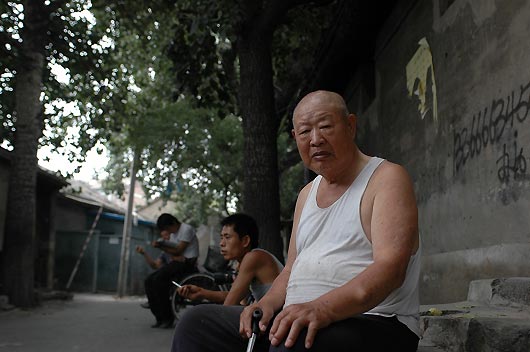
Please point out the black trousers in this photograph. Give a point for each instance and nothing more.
(215, 328)
(157, 286)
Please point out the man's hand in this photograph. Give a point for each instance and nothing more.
(140, 250)
(178, 258)
(190, 292)
(245, 319)
(292, 320)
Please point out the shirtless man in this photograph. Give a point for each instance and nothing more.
(256, 267)
(203, 327)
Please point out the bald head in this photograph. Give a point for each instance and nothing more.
(322, 98)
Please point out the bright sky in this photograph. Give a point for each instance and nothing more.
(92, 169)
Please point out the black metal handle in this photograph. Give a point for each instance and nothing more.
(256, 317)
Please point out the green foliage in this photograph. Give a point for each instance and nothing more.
(185, 152)
(11, 20)
(74, 43)
(160, 77)
(293, 53)
(203, 53)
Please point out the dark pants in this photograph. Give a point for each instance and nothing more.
(215, 328)
(157, 287)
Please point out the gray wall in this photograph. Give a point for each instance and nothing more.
(469, 160)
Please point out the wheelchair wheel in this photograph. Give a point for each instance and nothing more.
(178, 303)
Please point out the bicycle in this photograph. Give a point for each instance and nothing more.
(216, 276)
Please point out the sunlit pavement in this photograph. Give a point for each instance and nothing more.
(89, 322)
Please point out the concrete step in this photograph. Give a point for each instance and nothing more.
(514, 291)
(429, 349)
(474, 327)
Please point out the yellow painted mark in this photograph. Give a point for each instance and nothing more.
(418, 69)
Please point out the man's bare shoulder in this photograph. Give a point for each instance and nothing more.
(393, 205)
(390, 182)
(306, 188)
(390, 173)
(302, 195)
(255, 259)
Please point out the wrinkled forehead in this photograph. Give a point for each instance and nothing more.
(320, 103)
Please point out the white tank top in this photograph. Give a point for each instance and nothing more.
(332, 249)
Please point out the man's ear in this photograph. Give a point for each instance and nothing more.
(246, 241)
(292, 133)
(352, 122)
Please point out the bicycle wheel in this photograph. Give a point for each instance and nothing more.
(178, 303)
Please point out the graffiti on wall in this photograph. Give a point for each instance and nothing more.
(496, 123)
(417, 70)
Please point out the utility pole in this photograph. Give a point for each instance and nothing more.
(127, 228)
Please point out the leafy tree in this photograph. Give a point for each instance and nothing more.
(227, 60)
(181, 147)
(34, 35)
(186, 154)
(266, 54)
(259, 52)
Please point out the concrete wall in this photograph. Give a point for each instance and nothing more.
(467, 147)
(71, 217)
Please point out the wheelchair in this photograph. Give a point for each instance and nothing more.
(216, 276)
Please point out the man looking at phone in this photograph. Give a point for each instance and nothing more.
(180, 251)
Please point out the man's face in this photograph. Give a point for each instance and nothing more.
(165, 234)
(324, 136)
(233, 247)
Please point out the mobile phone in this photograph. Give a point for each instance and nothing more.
(176, 284)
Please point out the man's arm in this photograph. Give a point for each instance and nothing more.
(253, 266)
(390, 219)
(186, 234)
(240, 287)
(195, 293)
(155, 264)
(175, 249)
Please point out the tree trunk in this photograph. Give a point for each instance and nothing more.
(261, 189)
(19, 249)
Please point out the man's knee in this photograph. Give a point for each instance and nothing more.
(209, 327)
(192, 317)
(190, 327)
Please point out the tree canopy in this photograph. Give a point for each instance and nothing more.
(200, 91)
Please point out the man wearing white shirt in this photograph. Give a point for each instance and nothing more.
(183, 247)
